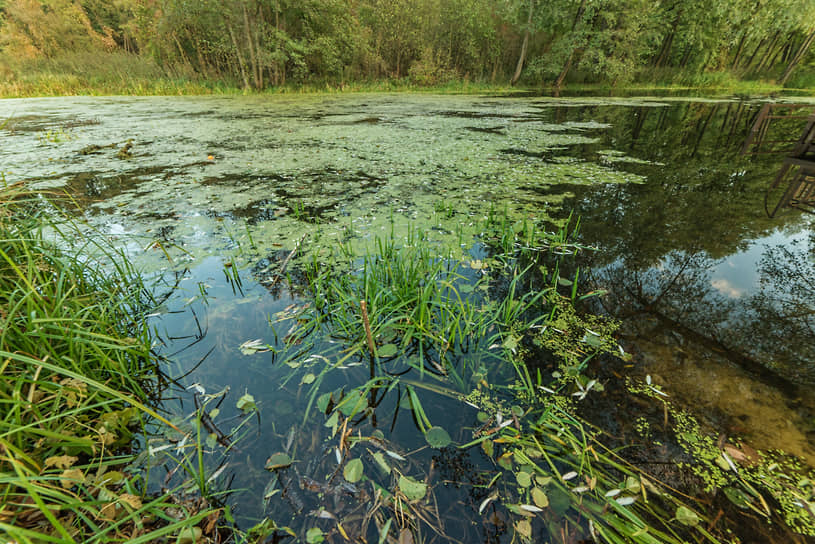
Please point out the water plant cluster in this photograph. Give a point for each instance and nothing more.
(404, 326)
(78, 385)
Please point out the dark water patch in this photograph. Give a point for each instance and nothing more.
(499, 130)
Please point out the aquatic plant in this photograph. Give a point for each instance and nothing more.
(403, 320)
(78, 382)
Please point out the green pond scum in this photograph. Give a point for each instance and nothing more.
(401, 318)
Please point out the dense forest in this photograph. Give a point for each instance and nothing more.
(266, 43)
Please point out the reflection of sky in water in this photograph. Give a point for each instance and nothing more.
(738, 275)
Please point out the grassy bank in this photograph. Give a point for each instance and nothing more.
(120, 73)
(78, 380)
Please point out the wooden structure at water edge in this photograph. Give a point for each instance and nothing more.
(798, 168)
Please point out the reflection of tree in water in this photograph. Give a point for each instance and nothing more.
(771, 332)
(777, 324)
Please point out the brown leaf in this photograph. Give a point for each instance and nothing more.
(71, 477)
(405, 537)
(133, 501)
(61, 461)
(745, 456)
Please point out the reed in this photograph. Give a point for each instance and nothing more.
(78, 381)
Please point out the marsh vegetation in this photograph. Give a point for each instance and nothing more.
(401, 318)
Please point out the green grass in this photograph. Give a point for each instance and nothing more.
(434, 324)
(78, 381)
(120, 73)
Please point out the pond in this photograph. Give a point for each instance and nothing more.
(214, 195)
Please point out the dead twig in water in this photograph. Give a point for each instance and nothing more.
(276, 277)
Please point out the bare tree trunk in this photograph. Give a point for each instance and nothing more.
(252, 54)
(797, 58)
(524, 45)
(562, 76)
(241, 63)
(566, 68)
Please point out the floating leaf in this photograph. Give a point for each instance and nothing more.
(737, 497)
(246, 403)
(505, 461)
(323, 402)
(437, 437)
(539, 497)
(412, 489)
(686, 516)
(278, 460)
(308, 379)
(523, 478)
(632, 484)
(381, 464)
(314, 535)
(333, 421)
(388, 350)
(593, 340)
(543, 480)
(250, 347)
(489, 448)
(482, 417)
(353, 470)
(524, 528)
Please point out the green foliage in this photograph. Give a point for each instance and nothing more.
(257, 44)
(78, 379)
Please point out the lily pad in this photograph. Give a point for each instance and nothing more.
(278, 460)
(353, 470)
(437, 437)
(412, 489)
(523, 478)
(388, 350)
(246, 403)
(539, 497)
(314, 535)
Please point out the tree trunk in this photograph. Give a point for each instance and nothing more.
(241, 63)
(252, 54)
(566, 67)
(797, 58)
(525, 44)
(739, 50)
(767, 52)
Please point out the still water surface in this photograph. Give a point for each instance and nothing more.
(704, 281)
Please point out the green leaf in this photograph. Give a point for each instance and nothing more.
(523, 478)
(333, 421)
(539, 497)
(278, 460)
(353, 470)
(437, 437)
(314, 535)
(388, 350)
(246, 403)
(383, 533)
(737, 497)
(308, 379)
(511, 342)
(323, 402)
(381, 464)
(686, 516)
(412, 489)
